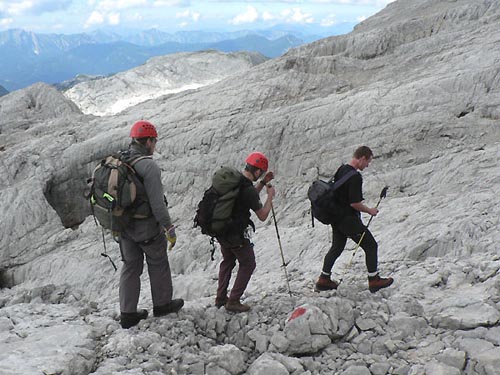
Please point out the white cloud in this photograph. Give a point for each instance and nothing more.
(266, 16)
(259, 1)
(295, 15)
(114, 18)
(5, 22)
(95, 18)
(361, 18)
(114, 12)
(184, 14)
(113, 5)
(251, 15)
(18, 8)
(329, 20)
(135, 17)
(108, 11)
(194, 16)
(171, 3)
(21, 7)
(377, 3)
(291, 15)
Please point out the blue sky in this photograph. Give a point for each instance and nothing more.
(74, 16)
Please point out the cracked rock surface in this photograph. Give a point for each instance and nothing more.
(419, 83)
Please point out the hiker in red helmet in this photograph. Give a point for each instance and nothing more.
(238, 246)
(148, 236)
(350, 198)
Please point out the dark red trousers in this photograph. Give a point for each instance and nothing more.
(246, 265)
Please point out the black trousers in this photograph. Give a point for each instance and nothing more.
(351, 227)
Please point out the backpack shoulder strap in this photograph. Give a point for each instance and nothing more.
(244, 182)
(344, 179)
(126, 157)
(135, 160)
(131, 163)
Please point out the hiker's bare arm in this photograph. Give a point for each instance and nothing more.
(259, 186)
(359, 206)
(263, 213)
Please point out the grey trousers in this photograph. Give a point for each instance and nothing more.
(160, 277)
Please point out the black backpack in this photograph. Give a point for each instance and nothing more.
(322, 196)
(214, 214)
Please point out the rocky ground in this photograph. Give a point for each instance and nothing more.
(419, 83)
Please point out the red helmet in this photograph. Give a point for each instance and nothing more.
(143, 129)
(258, 160)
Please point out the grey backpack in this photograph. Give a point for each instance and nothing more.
(113, 190)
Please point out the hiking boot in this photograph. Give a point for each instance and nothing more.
(171, 307)
(128, 320)
(376, 283)
(236, 307)
(219, 302)
(324, 283)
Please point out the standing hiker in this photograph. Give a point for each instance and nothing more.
(349, 199)
(236, 245)
(146, 237)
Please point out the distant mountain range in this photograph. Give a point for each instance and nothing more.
(3, 91)
(154, 37)
(54, 58)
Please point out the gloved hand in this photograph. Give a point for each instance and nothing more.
(267, 178)
(171, 236)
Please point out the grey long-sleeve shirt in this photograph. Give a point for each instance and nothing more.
(148, 170)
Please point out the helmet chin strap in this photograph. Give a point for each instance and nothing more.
(144, 146)
(249, 173)
(257, 177)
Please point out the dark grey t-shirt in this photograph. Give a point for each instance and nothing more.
(350, 192)
(248, 199)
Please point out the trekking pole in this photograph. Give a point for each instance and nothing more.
(105, 253)
(281, 250)
(383, 194)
